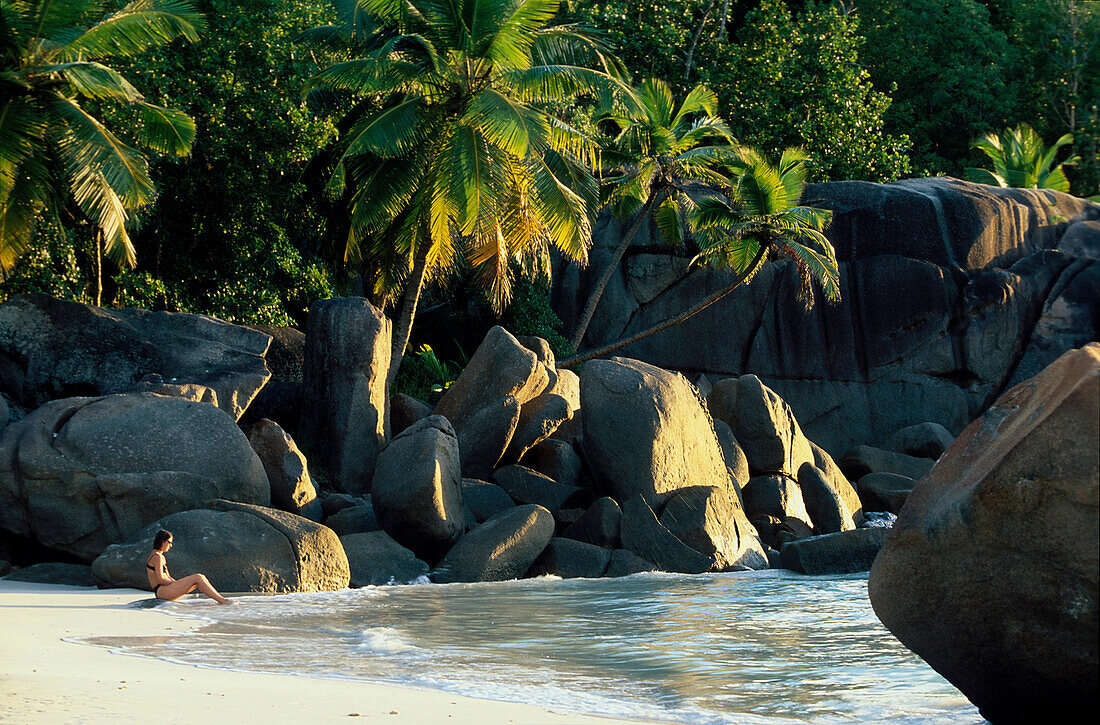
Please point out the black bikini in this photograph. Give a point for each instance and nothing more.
(150, 567)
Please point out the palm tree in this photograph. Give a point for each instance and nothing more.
(1021, 159)
(759, 217)
(656, 148)
(459, 152)
(52, 149)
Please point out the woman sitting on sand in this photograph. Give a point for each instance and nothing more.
(164, 586)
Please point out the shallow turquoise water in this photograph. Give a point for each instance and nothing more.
(765, 647)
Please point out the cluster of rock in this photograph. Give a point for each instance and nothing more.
(951, 293)
(520, 469)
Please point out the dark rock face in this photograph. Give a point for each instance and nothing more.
(416, 488)
(359, 519)
(924, 440)
(777, 496)
(568, 559)
(644, 535)
(287, 472)
(502, 548)
(884, 491)
(947, 289)
(484, 499)
(556, 459)
(861, 460)
(406, 410)
(73, 575)
(538, 418)
(598, 525)
(81, 473)
(240, 548)
(344, 389)
(527, 486)
(52, 349)
(711, 521)
(624, 563)
(825, 507)
(990, 573)
(842, 552)
(646, 431)
(483, 437)
(375, 559)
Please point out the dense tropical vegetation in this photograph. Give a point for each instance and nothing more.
(293, 110)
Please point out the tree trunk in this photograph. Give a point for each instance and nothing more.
(403, 328)
(97, 235)
(674, 319)
(601, 285)
(695, 39)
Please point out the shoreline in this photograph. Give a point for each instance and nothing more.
(45, 677)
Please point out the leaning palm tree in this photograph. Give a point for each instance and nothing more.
(759, 216)
(459, 153)
(1021, 159)
(656, 148)
(52, 148)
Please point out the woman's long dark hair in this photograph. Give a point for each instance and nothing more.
(160, 538)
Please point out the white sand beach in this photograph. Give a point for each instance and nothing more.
(44, 678)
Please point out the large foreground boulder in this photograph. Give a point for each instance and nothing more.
(80, 474)
(417, 488)
(239, 547)
(990, 573)
(646, 431)
(344, 389)
(502, 548)
(59, 349)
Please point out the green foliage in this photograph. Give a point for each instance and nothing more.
(530, 313)
(236, 228)
(952, 70)
(54, 149)
(782, 79)
(1057, 74)
(48, 265)
(1021, 159)
(444, 372)
(798, 81)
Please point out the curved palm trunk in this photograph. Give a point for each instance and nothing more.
(674, 319)
(601, 285)
(403, 329)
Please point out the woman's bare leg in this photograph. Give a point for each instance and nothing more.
(179, 587)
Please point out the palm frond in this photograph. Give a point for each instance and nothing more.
(506, 40)
(167, 130)
(699, 99)
(90, 143)
(514, 127)
(94, 80)
(138, 26)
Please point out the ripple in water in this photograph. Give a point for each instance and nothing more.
(765, 647)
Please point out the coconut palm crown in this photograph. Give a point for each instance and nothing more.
(654, 149)
(762, 214)
(1021, 159)
(460, 153)
(52, 148)
(758, 214)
